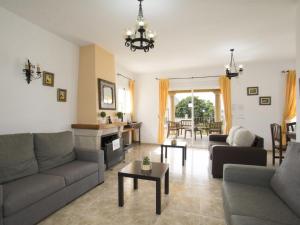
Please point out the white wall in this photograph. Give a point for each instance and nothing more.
(298, 68)
(33, 107)
(266, 75)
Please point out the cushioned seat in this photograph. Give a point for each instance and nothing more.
(28, 190)
(246, 220)
(258, 202)
(74, 171)
(213, 143)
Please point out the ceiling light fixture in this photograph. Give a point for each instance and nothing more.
(141, 37)
(231, 69)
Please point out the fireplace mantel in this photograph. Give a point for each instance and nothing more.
(98, 126)
(88, 136)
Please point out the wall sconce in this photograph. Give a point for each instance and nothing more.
(30, 73)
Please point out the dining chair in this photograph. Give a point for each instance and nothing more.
(277, 146)
(290, 131)
(173, 126)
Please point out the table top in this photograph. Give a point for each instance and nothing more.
(134, 169)
(179, 144)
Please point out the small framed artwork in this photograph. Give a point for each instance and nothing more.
(61, 95)
(106, 95)
(252, 91)
(265, 100)
(48, 79)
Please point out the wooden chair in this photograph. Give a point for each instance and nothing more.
(290, 131)
(173, 126)
(277, 145)
(215, 127)
(185, 125)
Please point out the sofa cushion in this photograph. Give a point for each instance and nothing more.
(243, 137)
(74, 171)
(17, 157)
(248, 220)
(28, 190)
(259, 202)
(53, 149)
(231, 134)
(286, 180)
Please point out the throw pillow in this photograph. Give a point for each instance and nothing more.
(286, 180)
(53, 149)
(243, 137)
(231, 134)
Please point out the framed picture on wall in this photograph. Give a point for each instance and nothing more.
(252, 91)
(265, 100)
(48, 79)
(61, 95)
(106, 94)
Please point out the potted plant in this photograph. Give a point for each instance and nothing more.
(103, 117)
(146, 164)
(120, 116)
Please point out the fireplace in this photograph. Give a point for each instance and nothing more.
(112, 146)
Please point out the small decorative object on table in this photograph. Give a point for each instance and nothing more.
(173, 142)
(109, 120)
(120, 116)
(146, 164)
(103, 117)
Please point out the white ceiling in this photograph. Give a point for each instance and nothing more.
(191, 33)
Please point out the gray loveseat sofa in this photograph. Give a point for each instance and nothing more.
(40, 173)
(255, 195)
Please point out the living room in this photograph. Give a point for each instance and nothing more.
(85, 113)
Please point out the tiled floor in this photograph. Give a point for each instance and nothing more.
(194, 199)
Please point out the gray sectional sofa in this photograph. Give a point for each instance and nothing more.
(255, 195)
(40, 173)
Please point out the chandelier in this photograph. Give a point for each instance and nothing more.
(231, 69)
(141, 37)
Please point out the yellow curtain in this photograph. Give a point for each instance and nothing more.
(290, 101)
(225, 86)
(163, 96)
(131, 91)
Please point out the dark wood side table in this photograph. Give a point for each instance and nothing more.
(133, 170)
(167, 144)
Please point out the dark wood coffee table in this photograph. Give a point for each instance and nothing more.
(133, 170)
(167, 144)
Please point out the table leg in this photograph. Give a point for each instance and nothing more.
(161, 153)
(135, 183)
(166, 152)
(183, 156)
(121, 189)
(158, 196)
(167, 182)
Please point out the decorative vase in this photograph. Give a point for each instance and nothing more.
(146, 167)
(102, 120)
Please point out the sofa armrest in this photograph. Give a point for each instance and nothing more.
(250, 175)
(1, 205)
(218, 137)
(92, 155)
(236, 155)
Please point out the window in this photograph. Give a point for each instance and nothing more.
(123, 100)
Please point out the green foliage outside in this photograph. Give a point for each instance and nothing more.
(202, 108)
